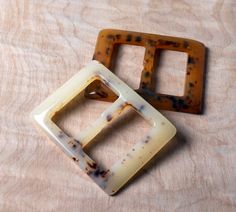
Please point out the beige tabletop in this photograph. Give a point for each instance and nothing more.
(43, 43)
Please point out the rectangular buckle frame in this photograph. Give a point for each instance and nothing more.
(190, 102)
(113, 179)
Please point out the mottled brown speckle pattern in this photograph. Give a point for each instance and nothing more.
(195, 68)
(109, 117)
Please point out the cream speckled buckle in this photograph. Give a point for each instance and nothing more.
(113, 179)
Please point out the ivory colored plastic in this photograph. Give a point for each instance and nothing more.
(113, 179)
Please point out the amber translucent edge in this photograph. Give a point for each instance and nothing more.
(189, 102)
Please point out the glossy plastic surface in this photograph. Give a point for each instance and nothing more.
(190, 102)
(113, 179)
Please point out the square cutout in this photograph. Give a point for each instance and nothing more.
(189, 102)
(113, 179)
(171, 66)
(78, 114)
(129, 63)
(112, 143)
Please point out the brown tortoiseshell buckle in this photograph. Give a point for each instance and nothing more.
(190, 102)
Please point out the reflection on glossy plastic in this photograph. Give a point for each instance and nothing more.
(113, 179)
(190, 102)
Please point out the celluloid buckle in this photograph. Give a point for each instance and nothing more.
(190, 102)
(113, 179)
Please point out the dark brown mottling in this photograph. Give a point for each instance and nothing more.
(92, 165)
(109, 38)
